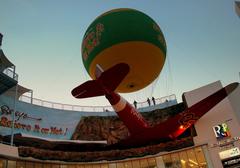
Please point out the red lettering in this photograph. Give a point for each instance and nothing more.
(45, 130)
(56, 131)
(36, 128)
(5, 122)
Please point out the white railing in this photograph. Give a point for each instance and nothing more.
(69, 107)
(10, 73)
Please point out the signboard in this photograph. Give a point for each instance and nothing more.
(37, 120)
(225, 142)
(229, 153)
(221, 131)
(231, 162)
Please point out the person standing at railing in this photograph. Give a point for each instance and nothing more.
(135, 104)
(1, 37)
(149, 102)
(153, 100)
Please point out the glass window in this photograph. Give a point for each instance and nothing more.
(175, 160)
(104, 165)
(112, 165)
(144, 163)
(55, 166)
(1, 163)
(167, 161)
(136, 164)
(152, 163)
(20, 164)
(88, 166)
(192, 161)
(200, 157)
(183, 159)
(128, 164)
(29, 165)
(47, 165)
(160, 162)
(120, 165)
(96, 166)
(11, 164)
(38, 165)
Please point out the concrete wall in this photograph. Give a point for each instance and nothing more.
(196, 95)
(224, 112)
(9, 151)
(235, 102)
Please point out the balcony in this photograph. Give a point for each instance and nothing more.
(8, 77)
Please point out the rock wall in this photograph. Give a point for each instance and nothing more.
(108, 155)
(112, 129)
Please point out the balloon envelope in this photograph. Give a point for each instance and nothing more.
(125, 36)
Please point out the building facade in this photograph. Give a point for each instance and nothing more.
(216, 143)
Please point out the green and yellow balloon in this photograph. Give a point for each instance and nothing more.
(125, 36)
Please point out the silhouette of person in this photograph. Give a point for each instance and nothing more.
(1, 36)
(148, 100)
(153, 100)
(135, 104)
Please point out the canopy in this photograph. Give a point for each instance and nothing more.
(4, 62)
(20, 91)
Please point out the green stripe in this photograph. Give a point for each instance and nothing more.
(123, 26)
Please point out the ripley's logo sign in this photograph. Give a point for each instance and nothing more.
(221, 131)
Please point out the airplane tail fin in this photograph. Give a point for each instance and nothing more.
(106, 81)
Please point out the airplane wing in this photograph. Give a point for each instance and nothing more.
(112, 77)
(88, 89)
(107, 81)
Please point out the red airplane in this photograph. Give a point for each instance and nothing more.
(140, 131)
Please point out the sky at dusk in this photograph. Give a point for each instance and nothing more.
(43, 39)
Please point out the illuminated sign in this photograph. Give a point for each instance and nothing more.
(229, 153)
(225, 142)
(232, 162)
(221, 131)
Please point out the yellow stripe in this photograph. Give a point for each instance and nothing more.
(145, 60)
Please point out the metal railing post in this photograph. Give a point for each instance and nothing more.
(13, 115)
(31, 100)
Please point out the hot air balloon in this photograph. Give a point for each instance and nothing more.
(125, 36)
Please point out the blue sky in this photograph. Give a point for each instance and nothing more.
(43, 38)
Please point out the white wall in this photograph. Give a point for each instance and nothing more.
(223, 112)
(235, 102)
(196, 95)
